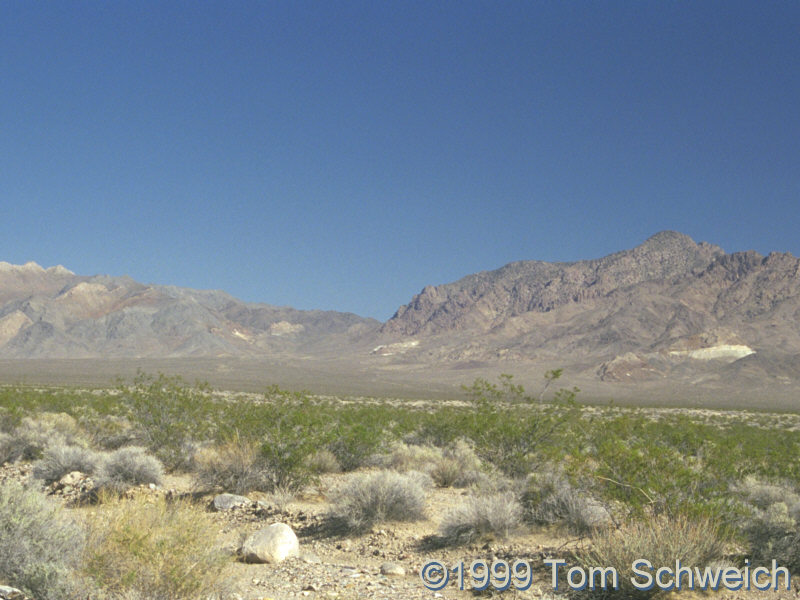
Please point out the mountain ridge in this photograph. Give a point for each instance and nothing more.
(668, 309)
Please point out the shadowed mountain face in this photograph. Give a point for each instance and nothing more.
(669, 308)
(54, 313)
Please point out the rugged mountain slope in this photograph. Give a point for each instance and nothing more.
(56, 314)
(639, 313)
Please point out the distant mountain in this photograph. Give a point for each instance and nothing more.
(53, 313)
(645, 313)
(667, 310)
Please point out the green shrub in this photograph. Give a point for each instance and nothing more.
(59, 460)
(368, 499)
(170, 416)
(128, 467)
(482, 516)
(40, 545)
(284, 460)
(154, 549)
(353, 443)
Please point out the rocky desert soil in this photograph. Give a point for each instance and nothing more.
(383, 563)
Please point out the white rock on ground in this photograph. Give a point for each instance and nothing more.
(272, 544)
(229, 501)
(392, 569)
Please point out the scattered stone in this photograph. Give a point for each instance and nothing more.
(10, 593)
(229, 501)
(310, 558)
(272, 544)
(392, 569)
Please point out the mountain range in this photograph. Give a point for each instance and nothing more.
(668, 308)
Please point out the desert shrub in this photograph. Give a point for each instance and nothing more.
(353, 442)
(454, 465)
(170, 416)
(155, 549)
(772, 525)
(549, 498)
(283, 459)
(28, 440)
(371, 498)
(662, 540)
(58, 460)
(323, 461)
(458, 466)
(108, 432)
(233, 466)
(128, 467)
(403, 457)
(481, 516)
(762, 495)
(773, 533)
(40, 545)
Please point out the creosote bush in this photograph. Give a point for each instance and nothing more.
(661, 539)
(40, 546)
(128, 467)
(171, 416)
(371, 498)
(59, 460)
(154, 549)
(481, 516)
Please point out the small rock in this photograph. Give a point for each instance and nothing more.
(310, 558)
(229, 501)
(72, 479)
(392, 569)
(10, 593)
(272, 544)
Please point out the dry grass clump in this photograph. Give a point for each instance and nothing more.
(482, 516)
(58, 460)
(550, 499)
(323, 461)
(773, 526)
(661, 540)
(32, 436)
(40, 546)
(455, 465)
(149, 548)
(233, 467)
(404, 457)
(128, 467)
(459, 466)
(368, 499)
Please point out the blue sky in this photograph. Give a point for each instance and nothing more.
(342, 155)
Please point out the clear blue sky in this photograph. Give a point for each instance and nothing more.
(342, 155)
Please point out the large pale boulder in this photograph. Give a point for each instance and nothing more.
(272, 544)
